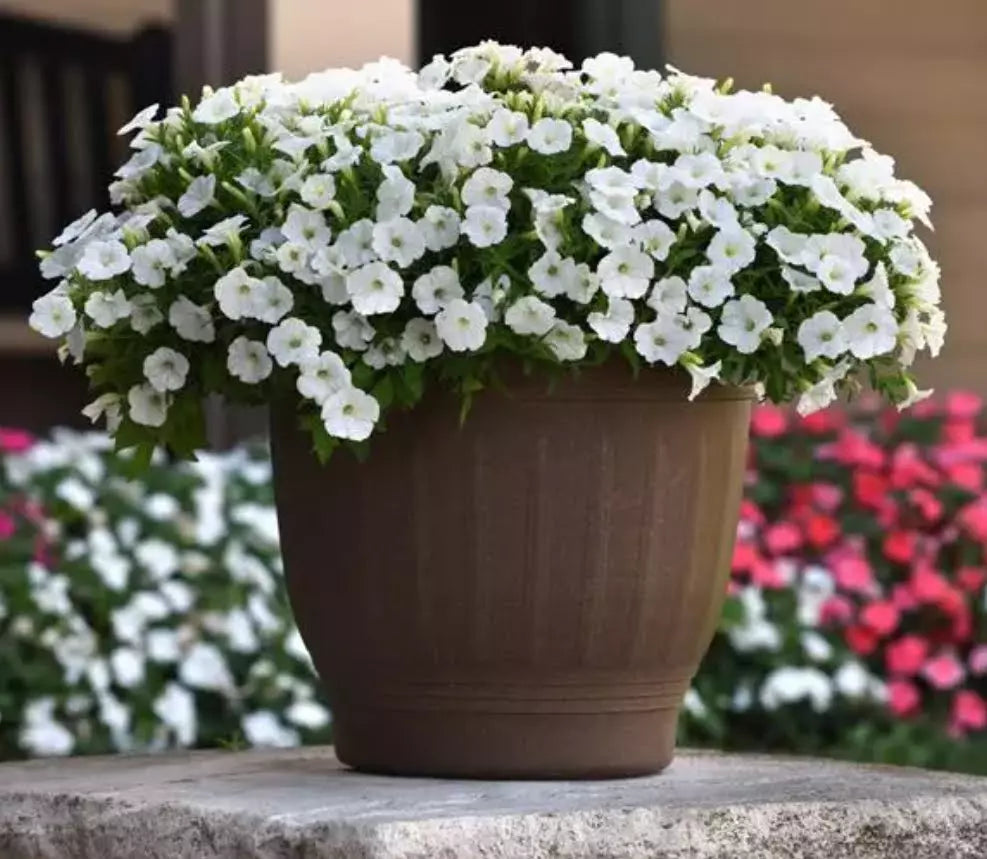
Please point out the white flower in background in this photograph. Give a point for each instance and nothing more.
(439, 227)
(789, 685)
(152, 262)
(663, 340)
(567, 342)
(462, 325)
(743, 323)
(76, 494)
(318, 190)
(507, 127)
(395, 195)
(236, 291)
(871, 330)
(175, 707)
(165, 369)
(200, 193)
(216, 107)
(308, 714)
(205, 667)
(484, 225)
(321, 377)
(352, 330)
(107, 308)
(293, 342)
(668, 296)
(487, 187)
(550, 136)
(420, 340)
(41, 734)
(306, 227)
(249, 361)
(603, 136)
(148, 407)
(191, 321)
(52, 315)
(158, 558)
(350, 414)
(625, 272)
(398, 241)
(822, 335)
(730, 250)
(128, 667)
(709, 285)
(263, 729)
(816, 647)
(613, 325)
(375, 288)
(530, 316)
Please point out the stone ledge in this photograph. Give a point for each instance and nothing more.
(303, 803)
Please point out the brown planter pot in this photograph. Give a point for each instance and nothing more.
(528, 595)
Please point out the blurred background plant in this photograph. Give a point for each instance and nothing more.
(150, 614)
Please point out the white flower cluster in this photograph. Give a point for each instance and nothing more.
(148, 614)
(342, 235)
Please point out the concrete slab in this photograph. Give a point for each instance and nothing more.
(303, 803)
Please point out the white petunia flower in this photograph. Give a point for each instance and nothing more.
(583, 284)
(718, 211)
(472, 146)
(552, 274)
(272, 301)
(200, 193)
(224, 232)
(52, 315)
(913, 395)
(293, 342)
(107, 405)
(436, 288)
(216, 107)
(249, 361)
(152, 262)
(318, 191)
(613, 325)
(675, 200)
(878, 289)
(668, 296)
(550, 136)
(603, 136)
(730, 250)
(399, 241)
(106, 309)
(800, 281)
(395, 195)
(487, 187)
(103, 260)
(77, 228)
(702, 376)
(823, 393)
(350, 414)
(822, 335)
(141, 120)
(440, 227)
(236, 292)
(655, 238)
(530, 315)
(352, 330)
(663, 340)
(507, 127)
(871, 330)
(710, 286)
(420, 339)
(166, 370)
(607, 232)
(697, 170)
(148, 407)
(567, 342)
(386, 352)
(191, 321)
(391, 145)
(306, 227)
(743, 322)
(625, 272)
(323, 376)
(836, 274)
(462, 325)
(484, 225)
(355, 244)
(375, 288)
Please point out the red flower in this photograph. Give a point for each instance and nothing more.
(821, 530)
(750, 512)
(15, 441)
(783, 538)
(899, 546)
(836, 610)
(903, 697)
(870, 489)
(927, 504)
(745, 555)
(861, 640)
(971, 579)
(826, 496)
(966, 475)
(854, 574)
(8, 526)
(854, 448)
(823, 422)
(881, 617)
(969, 711)
(927, 585)
(944, 671)
(769, 421)
(906, 655)
(973, 518)
(978, 660)
(963, 404)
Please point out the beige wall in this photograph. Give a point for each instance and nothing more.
(112, 15)
(311, 35)
(906, 74)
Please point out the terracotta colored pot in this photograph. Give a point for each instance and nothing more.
(528, 595)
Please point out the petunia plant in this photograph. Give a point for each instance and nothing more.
(349, 240)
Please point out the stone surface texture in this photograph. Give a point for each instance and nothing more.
(303, 803)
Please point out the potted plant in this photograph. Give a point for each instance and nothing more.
(527, 272)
